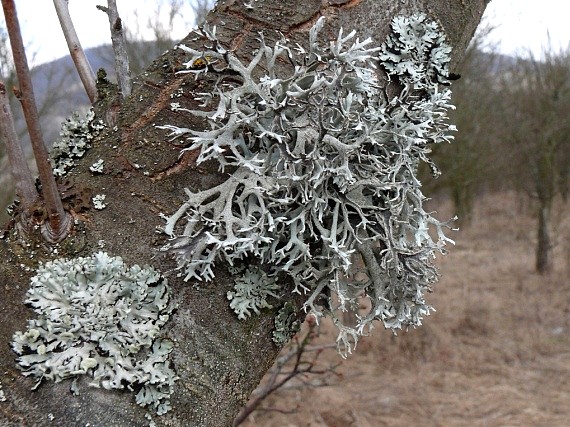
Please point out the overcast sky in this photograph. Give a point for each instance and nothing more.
(523, 25)
(520, 25)
(41, 31)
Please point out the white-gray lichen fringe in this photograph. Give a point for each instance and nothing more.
(2, 394)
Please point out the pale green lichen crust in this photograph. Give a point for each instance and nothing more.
(250, 293)
(286, 324)
(323, 185)
(75, 139)
(100, 318)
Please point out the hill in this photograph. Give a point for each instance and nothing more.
(59, 91)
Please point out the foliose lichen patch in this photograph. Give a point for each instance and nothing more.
(75, 139)
(251, 290)
(99, 318)
(324, 159)
(287, 324)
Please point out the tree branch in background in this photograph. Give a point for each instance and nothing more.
(161, 23)
(201, 9)
(119, 47)
(75, 50)
(24, 182)
(59, 222)
(298, 360)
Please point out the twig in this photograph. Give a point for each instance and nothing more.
(279, 377)
(59, 222)
(84, 69)
(25, 188)
(119, 47)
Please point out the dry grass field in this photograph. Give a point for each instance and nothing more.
(496, 352)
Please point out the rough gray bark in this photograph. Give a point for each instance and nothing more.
(219, 359)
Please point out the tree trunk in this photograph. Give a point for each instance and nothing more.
(545, 182)
(218, 358)
(543, 259)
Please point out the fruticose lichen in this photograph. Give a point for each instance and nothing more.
(75, 138)
(100, 318)
(323, 159)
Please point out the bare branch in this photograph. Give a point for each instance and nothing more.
(59, 222)
(119, 47)
(201, 9)
(298, 353)
(75, 50)
(25, 188)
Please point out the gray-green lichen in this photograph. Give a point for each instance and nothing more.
(75, 139)
(324, 162)
(286, 324)
(100, 318)
(250, 293)
(99, 201)
(97, 167)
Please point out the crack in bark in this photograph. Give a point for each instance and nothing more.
(239, 39)
(183, 162)
(326, 10)
(161, 101)
(347, 5)
(154, 205)
(250, 23)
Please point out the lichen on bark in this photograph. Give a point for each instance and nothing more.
(323, 182)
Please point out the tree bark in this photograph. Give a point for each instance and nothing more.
(218, 358)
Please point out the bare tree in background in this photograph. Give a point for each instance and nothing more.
(48, 101)
(6, 75)
(536, 102)
(201, 9)
(141, 53)
(166, 15)
(58, 83)
(469, 163)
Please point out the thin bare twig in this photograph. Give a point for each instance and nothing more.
(297, 354)
(84, 69)
(59, 222)
(119, 47)
(25, 188)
